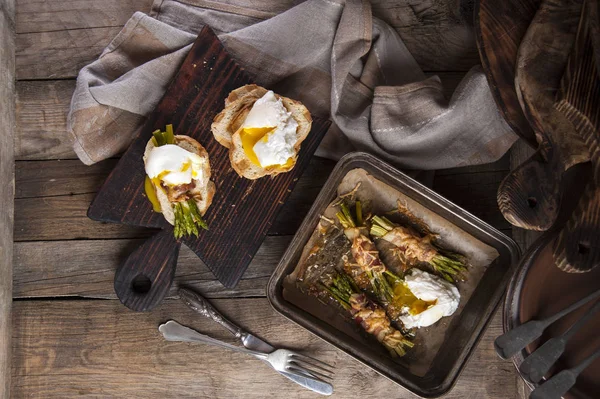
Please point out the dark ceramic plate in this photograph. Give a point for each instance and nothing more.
(540, 289)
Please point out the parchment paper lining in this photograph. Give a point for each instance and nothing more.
(380, 198)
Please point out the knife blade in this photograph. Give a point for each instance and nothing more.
(200, 305)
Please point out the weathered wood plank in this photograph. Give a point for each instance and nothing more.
(72, 186)
(41, 112)
(66, 36)
(56, 177)
(42, 108)
(59, 54)
(98, 348)
(63, 216)
(47, 16)
(7, 184)
(87, 268)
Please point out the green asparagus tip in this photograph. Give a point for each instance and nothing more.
(187, 219)
(378, 231)
(359, 217)
(161, 138)
(169, 135)
(383, 222)
(347, 215)
(337, 296)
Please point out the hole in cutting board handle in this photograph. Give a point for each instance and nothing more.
(583, 248)
(532, 202)
(141, 284)
(144, 279)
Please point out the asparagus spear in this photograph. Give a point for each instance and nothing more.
(187, 215)
(161, 138)
(187, 219)
(364, 251)
(370, 315)
(419, 249)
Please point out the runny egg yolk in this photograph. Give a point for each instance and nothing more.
(250, 136)
(403, 297)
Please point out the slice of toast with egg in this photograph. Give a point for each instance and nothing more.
(262, 130)
(178, 181)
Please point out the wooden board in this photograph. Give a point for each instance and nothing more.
(499, 28)
(91, 349)
(7, 185)
(242, 210)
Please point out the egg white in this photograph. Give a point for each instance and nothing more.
(173, 165)
(278, 145)
(430, 288)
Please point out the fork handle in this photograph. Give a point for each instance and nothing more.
(202, 306)
(173, 331)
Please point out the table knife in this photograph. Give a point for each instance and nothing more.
(199, 304)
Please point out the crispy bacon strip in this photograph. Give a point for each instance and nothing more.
(414, 249)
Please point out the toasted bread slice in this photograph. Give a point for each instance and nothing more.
(204, 189)
(227, 124)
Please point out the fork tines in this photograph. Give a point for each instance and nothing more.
(305, 365)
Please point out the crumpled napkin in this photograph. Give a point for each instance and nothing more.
(334, 56)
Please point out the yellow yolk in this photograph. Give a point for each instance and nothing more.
(151, 194)
(404, 297)
(250, 136)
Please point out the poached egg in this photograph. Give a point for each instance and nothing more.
(269, 133)
(426, 299)
(173, 165)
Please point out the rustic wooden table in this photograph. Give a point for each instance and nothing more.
(72, 337)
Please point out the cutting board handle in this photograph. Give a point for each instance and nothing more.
(529, 197)
(144, 279)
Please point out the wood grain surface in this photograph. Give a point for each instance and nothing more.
(42, 116)
(87, 269)
(500, 27)
(146, 276)
(96, 347)
(101, 349)
(432, 31)
(577, 249)
(7, 185)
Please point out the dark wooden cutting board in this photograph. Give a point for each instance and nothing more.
(242, 210)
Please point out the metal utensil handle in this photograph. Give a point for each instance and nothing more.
(571, 308)
(202, 306)
(582, 321)
(173, 331)
(586, 362)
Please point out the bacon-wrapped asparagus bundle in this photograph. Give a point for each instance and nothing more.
(372, 318)
(365, 252)
(415, 248)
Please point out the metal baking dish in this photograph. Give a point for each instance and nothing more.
(461, 340)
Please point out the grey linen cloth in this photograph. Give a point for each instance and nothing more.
(331, 55)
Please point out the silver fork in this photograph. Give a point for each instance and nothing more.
(282, 360)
